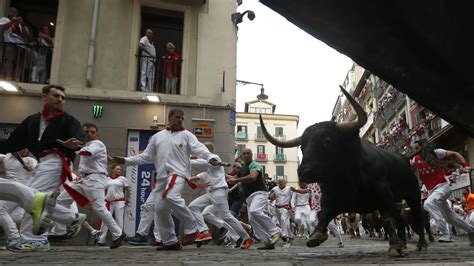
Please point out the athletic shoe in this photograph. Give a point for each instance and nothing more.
(238, 243)
(96, 236)
(189, 238)
(275, 238)
(75, 227)
(41, 221)
(203, 237)
(118, 242)
(445, 239)
(471, 238)
(30, 246)
(340, 245)
(176, 246)
(222, 233)
(247, 243)
(266, 246)
(138, 240)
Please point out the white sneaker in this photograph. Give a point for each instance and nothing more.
(445, 239)
(30, 246)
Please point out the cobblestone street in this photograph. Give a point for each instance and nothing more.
(360, 251)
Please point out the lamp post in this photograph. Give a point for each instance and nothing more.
(262, 96)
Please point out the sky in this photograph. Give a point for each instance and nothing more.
(300, 73)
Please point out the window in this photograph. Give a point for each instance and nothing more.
(279, 150)
(30, 62)
(242, 129)
(280, 170)
(278, 131)
(260, 149)
(161, 72)
(252, 110)
(260, 133)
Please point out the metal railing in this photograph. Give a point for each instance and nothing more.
(160, 75)
(25, 63)
(278, 177)
(241, 136)
(279, 157)
(260, 137)
(280, 137)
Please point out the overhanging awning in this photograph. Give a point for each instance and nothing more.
(424, 48)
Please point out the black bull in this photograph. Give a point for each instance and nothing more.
(356, 176)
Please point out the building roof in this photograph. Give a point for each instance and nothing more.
(247, 105)
(423, 48)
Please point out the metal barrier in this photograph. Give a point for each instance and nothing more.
(160, 75)
(25, 63)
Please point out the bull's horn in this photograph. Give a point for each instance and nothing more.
(280, 143)
(361, 115)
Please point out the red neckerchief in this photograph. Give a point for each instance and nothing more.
(113, 177)
(49, 113)
(175, 130)
(150, 40)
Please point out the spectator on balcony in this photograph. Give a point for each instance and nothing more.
(15, 34)
(172, 65)
(40, 56)
(147, 61)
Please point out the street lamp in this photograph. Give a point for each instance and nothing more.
(262, 96)
(238, 17)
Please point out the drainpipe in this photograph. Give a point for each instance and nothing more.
(90, 58)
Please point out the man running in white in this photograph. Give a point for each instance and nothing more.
(17, 166)
(300, 202)
(217, 196)
(147, 217)
(170, 150)
(118, 194)
(250, 178)
(93, 181)
(282, 195)
(52, 136)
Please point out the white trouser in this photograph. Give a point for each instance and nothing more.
(211, 215)
(283, 216)
(217, 198)
(302, 217)
(60, 229)
(17, 192)
(170, 85)
(117, 210)
(331, 225)
(46, 178)
(261, 223)
(470, 217)
(93, 188)
(147, 216)
(10, 214)
(147, 73)
(438, 208)
(172, 203)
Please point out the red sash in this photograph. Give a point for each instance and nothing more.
(173, 181)
(107, 202)
(66, 174)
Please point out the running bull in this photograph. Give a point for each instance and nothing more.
(356, 176)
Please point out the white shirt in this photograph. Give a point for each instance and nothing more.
(170, 152)
(115, 188)
(282, 196)
(14, 169)
(214, 174)
(150, 48)
(96, 162)
(299, 199)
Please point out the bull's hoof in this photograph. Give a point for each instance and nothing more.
(431, 238)
(398, 252)
(316, 239)
(422, 247)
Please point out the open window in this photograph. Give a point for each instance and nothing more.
(159, 68)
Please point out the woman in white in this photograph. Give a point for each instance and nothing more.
(118, 194)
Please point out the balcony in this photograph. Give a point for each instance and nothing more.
(241, 136)
(278, 177)
(261, 157)
(159, 75)
(279, 157)
(280, 137)
(260, 137)
(25, 63)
